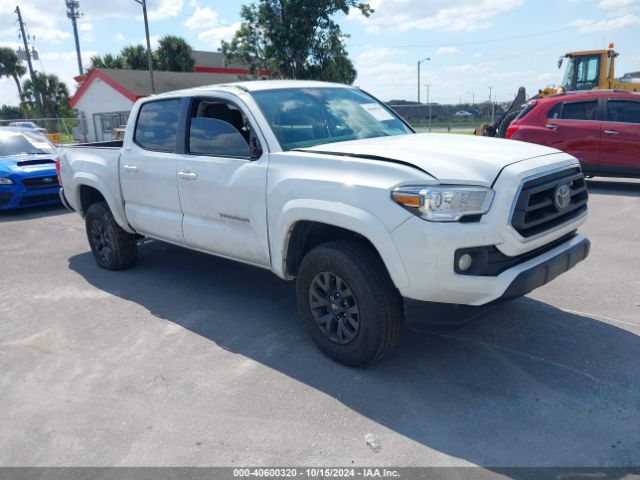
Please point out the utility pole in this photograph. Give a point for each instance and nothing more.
(420, 62)
(491, 101)
(28, 55)
(473, 97)
(73, 13)
(429, 103)
(146, 29)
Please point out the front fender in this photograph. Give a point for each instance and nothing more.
(116, 207)
(338, 215)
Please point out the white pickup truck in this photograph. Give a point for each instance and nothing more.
(323, 183)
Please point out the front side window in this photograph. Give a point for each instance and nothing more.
(218, 128)
(623, 111)
(304, 117)
(580, 110)
(157, 126)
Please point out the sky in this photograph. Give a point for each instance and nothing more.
(472, 44)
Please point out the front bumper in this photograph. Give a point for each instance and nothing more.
(428, 250)
(13, 197)
(538, 275)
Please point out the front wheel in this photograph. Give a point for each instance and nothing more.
(112, 247)
(349, 304)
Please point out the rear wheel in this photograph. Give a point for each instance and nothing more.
(112, 247)
(349, 304)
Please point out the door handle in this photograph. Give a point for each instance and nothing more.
(188, 175)
(611, 132)
(551, 126)
(131, 168)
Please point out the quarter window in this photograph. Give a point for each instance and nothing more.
(623, 111)
(218, 128)
(157, 125)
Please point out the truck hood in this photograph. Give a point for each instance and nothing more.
(449, 158)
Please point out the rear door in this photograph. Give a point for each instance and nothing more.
(222, 178)
(620, 151)
(574, 127)
(148, 171)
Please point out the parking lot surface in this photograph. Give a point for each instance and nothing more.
(189, 359)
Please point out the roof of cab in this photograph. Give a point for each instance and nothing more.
(253, 86)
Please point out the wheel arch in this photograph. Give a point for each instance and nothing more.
(90, 189)
(305, 224)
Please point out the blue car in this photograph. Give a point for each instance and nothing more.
(27, 169)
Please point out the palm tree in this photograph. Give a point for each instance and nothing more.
(174, 54)
(10, 67)
(54, 94)
(135, 57)
(107, 61)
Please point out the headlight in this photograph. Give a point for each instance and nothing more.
(444, 204)
(6, 181)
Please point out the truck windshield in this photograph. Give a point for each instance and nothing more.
(304, 117)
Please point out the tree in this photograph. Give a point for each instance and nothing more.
(54, 94)
(174, 54)
(107, 61)
(10, 66)
(294, 39)
(9, 112)
(135, 57)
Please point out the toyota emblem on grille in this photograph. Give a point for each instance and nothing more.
(562, 197)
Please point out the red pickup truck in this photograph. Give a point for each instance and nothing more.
(600, 128)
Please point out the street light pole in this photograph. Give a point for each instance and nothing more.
(73, 14)
(146, 29)
(419, 63)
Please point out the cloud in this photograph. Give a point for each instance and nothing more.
(216, 35)
(374, 55)
(452, 15)
(164, 9)
(447, 50)
(588, 26)
(203, 18)
(615, 4)
(119, 37)
(85, 27)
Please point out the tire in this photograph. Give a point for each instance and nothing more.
(354, 271)
(504, 125)
(112, 247)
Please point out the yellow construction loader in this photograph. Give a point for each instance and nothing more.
(585, 70)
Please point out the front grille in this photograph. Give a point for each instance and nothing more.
(41, 182)
(5, 198)
(33, 200)
(536, 210)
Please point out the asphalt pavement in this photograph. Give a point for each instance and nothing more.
(188, 359)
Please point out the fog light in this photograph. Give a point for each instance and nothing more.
(464, 262)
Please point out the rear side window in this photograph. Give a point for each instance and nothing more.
(624, 111)
(526, 110)
(157, 125)
(579, 110)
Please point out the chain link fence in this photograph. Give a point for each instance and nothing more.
(59, 130)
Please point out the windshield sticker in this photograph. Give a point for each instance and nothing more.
(376, 111)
